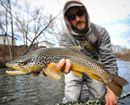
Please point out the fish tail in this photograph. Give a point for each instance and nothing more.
(121, 81)
(116, 84)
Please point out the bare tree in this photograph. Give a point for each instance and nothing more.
(29, 24)
(9, 18)
(38, 34)
(33, 25)
(12, 28)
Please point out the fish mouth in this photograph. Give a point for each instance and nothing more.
(14, 66)
(17, 70)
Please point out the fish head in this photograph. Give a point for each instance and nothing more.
(24, 65)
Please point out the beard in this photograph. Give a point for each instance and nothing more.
(83, 31)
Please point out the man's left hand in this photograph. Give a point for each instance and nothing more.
(111, 98)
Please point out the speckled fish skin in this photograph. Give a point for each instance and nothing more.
(44, 56)
(40, 58)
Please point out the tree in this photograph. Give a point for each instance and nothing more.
(26, 23)
(4, 25)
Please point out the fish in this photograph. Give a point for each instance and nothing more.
(45, 60)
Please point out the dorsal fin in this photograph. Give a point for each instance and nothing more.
(102, 65)
(75, 48)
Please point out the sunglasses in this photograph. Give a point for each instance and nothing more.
(79, 13)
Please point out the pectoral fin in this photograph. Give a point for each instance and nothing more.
(52, 71)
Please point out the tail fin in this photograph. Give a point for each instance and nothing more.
(116, 84)
(119, 80)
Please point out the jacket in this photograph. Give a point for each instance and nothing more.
(97, 36)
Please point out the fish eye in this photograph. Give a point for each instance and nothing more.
(22, 63)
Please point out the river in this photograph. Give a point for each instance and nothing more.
(40, 90)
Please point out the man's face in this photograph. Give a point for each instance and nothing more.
(76, 17)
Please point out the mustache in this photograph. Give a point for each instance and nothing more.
(79, 22)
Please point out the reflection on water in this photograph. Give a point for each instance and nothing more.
(30, 90)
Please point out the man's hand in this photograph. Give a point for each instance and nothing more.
(111, 98)
(64, 63)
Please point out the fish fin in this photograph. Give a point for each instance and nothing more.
(52, 71)
(102, 65)
(94, 76)
(116, 83)
(121, 81)
(77, 73)
(116, 89)
(35, 74)
(75, 48)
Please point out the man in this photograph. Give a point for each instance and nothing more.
(95, 42)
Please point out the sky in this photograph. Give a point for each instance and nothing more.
(114, 15)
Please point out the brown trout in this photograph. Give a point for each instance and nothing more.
(45, 60)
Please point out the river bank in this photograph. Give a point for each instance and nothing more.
(6, 55)
(124, 56)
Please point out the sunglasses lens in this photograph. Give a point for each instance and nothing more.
(79, 13)
(71, 17)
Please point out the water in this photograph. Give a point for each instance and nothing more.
(124, 71)
(30, 90)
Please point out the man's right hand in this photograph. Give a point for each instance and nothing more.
(64, 63)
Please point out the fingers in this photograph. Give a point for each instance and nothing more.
(66, 64)
(110, 98)
(61, 63)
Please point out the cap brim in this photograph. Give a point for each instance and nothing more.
(73, 5)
